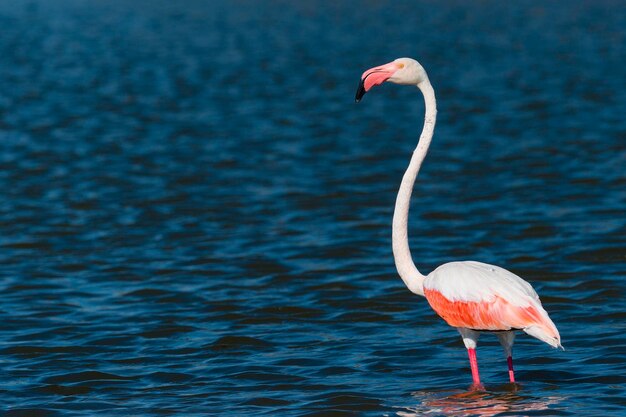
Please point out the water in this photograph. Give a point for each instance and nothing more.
(195, 216)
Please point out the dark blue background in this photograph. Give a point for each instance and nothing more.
(195, 216)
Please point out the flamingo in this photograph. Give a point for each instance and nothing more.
(472, 296)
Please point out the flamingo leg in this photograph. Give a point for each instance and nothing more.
(506, 340)
(470, 338)
(474, 365)
(509, 361)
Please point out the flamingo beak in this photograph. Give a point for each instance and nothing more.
(375, 76)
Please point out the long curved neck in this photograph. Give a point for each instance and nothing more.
(400, 238)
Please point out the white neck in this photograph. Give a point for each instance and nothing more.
(400, 238)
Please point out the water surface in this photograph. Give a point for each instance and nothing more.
(195, 216)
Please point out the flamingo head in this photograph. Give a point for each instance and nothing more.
(404, 71)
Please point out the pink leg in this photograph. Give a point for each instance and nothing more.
(509, 361)
(474, 366)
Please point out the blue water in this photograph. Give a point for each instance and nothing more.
(195, 216)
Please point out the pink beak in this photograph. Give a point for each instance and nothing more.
(375, 76)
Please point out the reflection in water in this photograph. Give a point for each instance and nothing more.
(478, 403)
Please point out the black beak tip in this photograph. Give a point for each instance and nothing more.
(360, 92)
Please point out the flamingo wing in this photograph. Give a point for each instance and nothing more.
(480, 296)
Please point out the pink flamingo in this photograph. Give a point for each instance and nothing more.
(472, 296)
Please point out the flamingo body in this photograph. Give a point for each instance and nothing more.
(485, 297)
(472, 296)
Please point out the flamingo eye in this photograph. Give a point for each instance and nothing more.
(400, 65)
